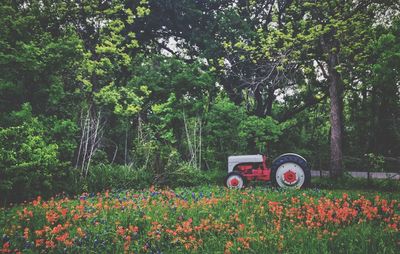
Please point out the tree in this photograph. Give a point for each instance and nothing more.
(107, 48)
(330, 35)
(385, 94)
(224, 34)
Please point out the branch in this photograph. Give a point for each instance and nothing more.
(323, 70)
(163, 46)
(309, 103)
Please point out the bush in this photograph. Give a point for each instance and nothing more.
(29, 164)
(183, 175)
(229, 131)
(110, 176)
(348, 182)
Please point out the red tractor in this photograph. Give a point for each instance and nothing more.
(289, 170)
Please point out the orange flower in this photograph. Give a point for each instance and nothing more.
(127, 242)
(50, 244)
(64, 212)
(27, 213)
(133, 229)
(228, 245)
(68, 243)
(37, 201)
(120, 230)
(26, 233)
(39, 242)
(393, 226)
(63, 237)
(187, 246)
(99, 205)
(40, 232)
(80, 232)
(52, 216)
(57, 229)
(245, 242)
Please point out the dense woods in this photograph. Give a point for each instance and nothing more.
(116, 93)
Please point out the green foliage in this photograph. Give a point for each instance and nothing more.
(351, 183)
(222, 129)
(236, 80)
(125, 102)
(165, 75)
(376, 162)
(229, 130)
(184, 175)
(163, 117)
(107, 176)
(29, 163)
(258, 132)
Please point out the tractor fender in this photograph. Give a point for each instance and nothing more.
(293, 154)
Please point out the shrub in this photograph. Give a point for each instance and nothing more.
(29, 162)
(183, 175)
(348, 182)
(111, 176)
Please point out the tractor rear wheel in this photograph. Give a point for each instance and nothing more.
(290, 171)
(235, 181)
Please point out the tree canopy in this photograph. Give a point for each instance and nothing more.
(165, 84)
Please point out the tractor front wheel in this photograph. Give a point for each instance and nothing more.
(234, 181)
(290, 171)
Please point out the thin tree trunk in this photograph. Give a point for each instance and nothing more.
(93, 142)
(188, 137)
(126, 146)
(92, 130)
(87, 123)
(115, 152)
(194, 155)
(83, 126)
(200, 143)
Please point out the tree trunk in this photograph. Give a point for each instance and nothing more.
(336, 98)
(264, 104)
(270, 100)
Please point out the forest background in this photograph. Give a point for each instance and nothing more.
(98, 94)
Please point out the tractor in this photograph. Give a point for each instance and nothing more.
(288, 170)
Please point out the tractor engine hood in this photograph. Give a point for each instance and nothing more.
(235, 160)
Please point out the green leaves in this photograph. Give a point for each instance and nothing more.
(103, 69)
(27, 159)
(259, 130)
(163, 115)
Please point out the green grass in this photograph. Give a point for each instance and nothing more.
(207, 219)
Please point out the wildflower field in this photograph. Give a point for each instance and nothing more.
(206, 219)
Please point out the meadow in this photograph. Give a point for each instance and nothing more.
(207, 219)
